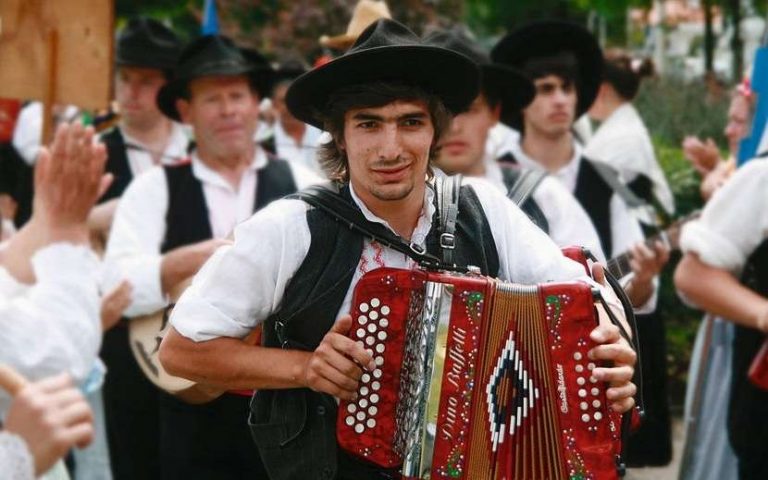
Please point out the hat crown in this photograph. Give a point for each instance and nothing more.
(458, 41)
(212, 55)
(384, 33)
(147, 42)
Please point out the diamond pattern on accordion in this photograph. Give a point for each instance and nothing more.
(371, 332)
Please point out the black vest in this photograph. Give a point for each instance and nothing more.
(187, 219)
(295, 429)
(117, 164)
(748, 408)
(595, 195)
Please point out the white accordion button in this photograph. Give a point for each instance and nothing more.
(374, 399)
(362, 319)
(595, 391)
(373, 410)
(363, 403)
(360, 416)
(593, 379)
(577, 355)
(372, 327)
(370, 341)
(365, 378)
(598, 416)
(384, 323)
(596, 403)
(375, 385)
(370, 423)
(581, 381)
(585, 418)
(363, 307)
(380, 347)
(363, 391)
(582, 393)
(375, 303)
(385, 310)
(591, 366)
(374, 315)
(359, 428)
(360, 332)
(369, 350)
(351, 408)
(382, 335)
(349, 421)
(379, 361)
(377, 373)
(584, 405)
(579, 368)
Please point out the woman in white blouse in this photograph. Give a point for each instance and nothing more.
(622, 140)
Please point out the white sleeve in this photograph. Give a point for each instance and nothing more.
(54, 325)
(734, 222)
(135, 240)
(569, 224)
(241, 285)
(15, 458)
(28, 134)
(303, 176)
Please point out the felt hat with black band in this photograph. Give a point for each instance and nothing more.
(546, 38)
(147, 43)
(213, 55)
(386, 51)
(504, 83)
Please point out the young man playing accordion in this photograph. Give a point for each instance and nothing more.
(386, 102)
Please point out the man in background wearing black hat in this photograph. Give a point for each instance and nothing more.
(464, 149)
(171, 219)
(294, 140)
(564, 62)
(386, 102)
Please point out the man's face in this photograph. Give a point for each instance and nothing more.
(388, 149)
(463, 148)
(738, 122)
(224, 112)
(553, 108)
(135, 90)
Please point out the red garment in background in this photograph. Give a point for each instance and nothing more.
(9, 112)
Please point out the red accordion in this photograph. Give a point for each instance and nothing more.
(478, 379)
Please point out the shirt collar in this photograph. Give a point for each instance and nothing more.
(566, 173)
(175, 149)
(206, 174)
(424, 224)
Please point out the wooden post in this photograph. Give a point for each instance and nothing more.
(49, 99)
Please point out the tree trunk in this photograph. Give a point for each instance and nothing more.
(737, 46)
(709, 38)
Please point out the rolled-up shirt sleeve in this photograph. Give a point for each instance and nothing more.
(734, 222)
(242, 284)
(135, 241)
(52, 326)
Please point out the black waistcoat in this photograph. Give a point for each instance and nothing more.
(595, 195)
(117, 164)
(748, 408)
(295, 429)
(187, 219)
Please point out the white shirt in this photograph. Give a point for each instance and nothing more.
(175, 150)
(241, 285)
(53, 325)
(569, 224)
(28, 133)
(138, 230)
(303, 153)
(625, 229)
(623, 142)
(734, 222)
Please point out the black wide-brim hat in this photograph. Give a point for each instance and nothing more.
(546, 38)
(386, 51)
(147, 43)
(213, 55)
(509, 86)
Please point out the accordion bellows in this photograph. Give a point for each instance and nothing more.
(478, 379)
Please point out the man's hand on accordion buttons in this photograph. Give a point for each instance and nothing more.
(337, 364)
(619, 366)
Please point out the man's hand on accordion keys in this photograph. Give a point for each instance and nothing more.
(337, 364)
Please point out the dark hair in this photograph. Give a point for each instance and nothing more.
(624, 75)
(564, 65)
(332, 158)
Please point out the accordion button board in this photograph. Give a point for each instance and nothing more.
(477, 378)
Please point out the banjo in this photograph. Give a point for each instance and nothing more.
(145, 334)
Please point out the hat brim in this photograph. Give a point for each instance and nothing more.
(513, 90)
(261, 80)
(451, 76)
(547, 38)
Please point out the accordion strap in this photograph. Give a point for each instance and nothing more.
(447, 190)
(327, 198)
